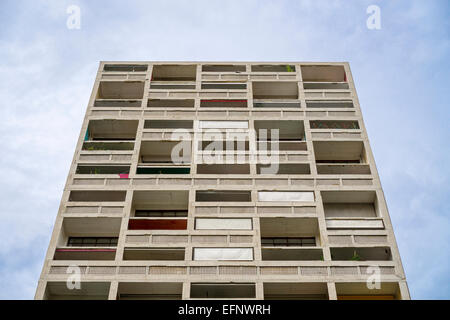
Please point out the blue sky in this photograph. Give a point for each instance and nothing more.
(401, 73)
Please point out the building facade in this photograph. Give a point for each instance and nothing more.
(222, 180)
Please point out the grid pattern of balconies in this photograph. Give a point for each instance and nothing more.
(139, 225)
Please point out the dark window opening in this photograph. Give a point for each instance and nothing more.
(92, 241)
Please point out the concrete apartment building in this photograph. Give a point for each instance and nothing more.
(145, 213)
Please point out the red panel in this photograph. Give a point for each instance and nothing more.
(157, 224)
(85, 250)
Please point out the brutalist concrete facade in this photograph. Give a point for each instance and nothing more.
(134, 223)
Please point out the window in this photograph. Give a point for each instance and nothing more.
(161, 213)
(125, 68)
(92, 242)
(288, 242)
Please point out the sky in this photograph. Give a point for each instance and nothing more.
(401, 72)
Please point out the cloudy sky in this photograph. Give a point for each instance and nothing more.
(401, 73)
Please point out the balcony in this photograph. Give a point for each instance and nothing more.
(150, 291)
(295, 291)
(120, 90)
(223, 290)
(87, 291)
(283, 90)
(164, 157)
(288, 134)
(341, 157)
(88, 239)
(323, 73)
(171, 72)
(158, 203)
(359, 291)
(351, 210)
(290, 239)
(159, 210)
(110, 135)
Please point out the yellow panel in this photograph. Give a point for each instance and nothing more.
(387, 297)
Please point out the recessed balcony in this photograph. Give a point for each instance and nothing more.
(275, 90)
(295, 291)
(341, 157)
(223, 290)
(173, 72)
(88, 239)
(150, 291)
(351, 210)
(120, 90)
(87, 291)
(360, 291)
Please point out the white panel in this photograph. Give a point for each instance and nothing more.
(223, 224)
(354, 224)
(223, 254)
(224, 124)
(285, 196)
